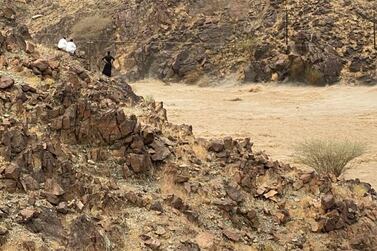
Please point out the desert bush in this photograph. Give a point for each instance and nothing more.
(149, 99)
(328, 156)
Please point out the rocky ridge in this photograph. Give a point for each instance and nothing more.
(85, 164)
(209, 41)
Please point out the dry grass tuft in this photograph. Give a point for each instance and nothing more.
(328, 156)
(149, 99)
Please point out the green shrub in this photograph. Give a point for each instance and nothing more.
(328, 157)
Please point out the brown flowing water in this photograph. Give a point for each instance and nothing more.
(276, 117)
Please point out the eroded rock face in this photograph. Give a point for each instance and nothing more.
(85, 235)
(192, 42)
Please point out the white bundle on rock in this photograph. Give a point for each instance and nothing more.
(62, 44)
(71, 47)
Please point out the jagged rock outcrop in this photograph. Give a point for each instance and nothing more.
(206, 41)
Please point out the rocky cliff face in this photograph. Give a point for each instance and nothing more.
(85, 164)
(200, 41)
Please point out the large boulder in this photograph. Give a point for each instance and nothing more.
(86, 235)
(41, 67)
(313, 63)
(257, 71)
(139, 162)
(188, 60)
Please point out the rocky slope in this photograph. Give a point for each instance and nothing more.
(204, 41)
(85, 164)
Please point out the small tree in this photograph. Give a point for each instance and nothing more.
(328, 157)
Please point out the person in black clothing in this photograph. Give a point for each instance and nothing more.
(108, 65)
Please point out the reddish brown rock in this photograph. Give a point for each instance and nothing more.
(177, 202)
(54, 64)
(179, 179)
(306, 177)
(53, 199)
(136, 199)
(328, 202)
(216, 146)
(3, 230)
(333, 221)
(28, 213)
(205, 240)
(29, 245)
(40, 67)
(152, 243)
(148, 135)
(231, 235)
(282, 216)
(9, 185)
(62, 208)
(226, 204)
(29, 183)
(126, 171)
(30, 47)
(139, 162)
(85, 235)
(12, 172)
(161, 151)
(251, 214)
(53, 187)
(28, 88)
(234, 193)
(6, 82)
(156, 206)
(8, 13)
(137, 143)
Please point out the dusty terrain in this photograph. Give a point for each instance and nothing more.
(276, 117)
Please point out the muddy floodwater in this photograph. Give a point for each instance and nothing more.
(276, 117)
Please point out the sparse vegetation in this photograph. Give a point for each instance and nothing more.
(246, 45)
(328, 156)
(149, 99)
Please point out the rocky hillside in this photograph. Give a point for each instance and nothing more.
(203, 41)
(85, 164)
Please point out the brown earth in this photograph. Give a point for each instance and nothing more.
(276, 117)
